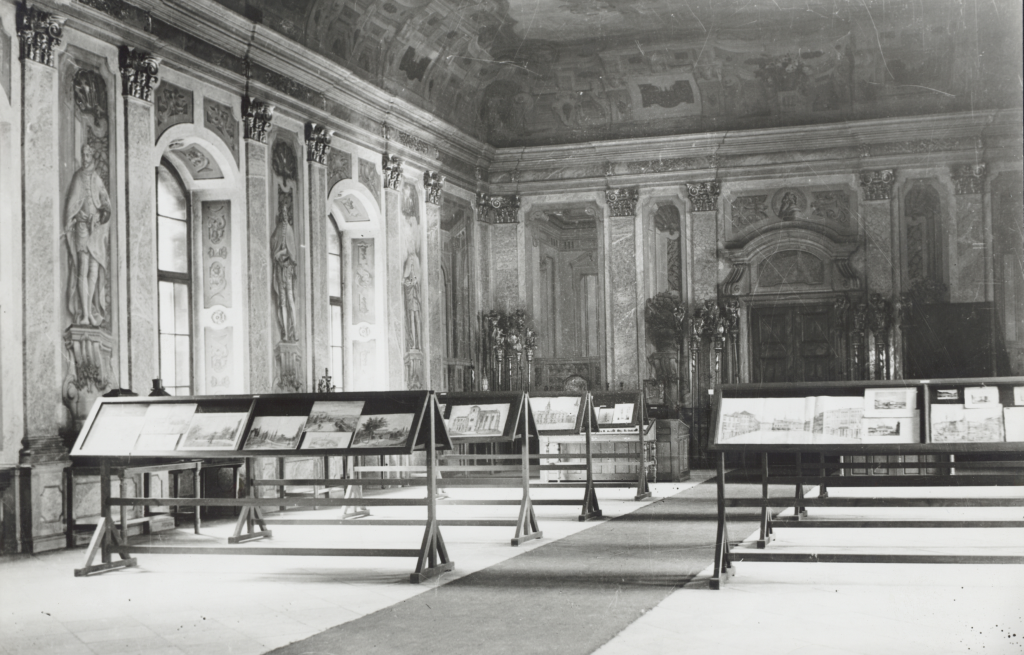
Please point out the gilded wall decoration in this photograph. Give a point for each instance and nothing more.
(89, 238)
(370, 178)
(339, 167)
(216, 253)
(791, 267)
(217, 118)
(749, 210)
(412, 287)
(363, 277)
(219, 359)
(173, 105)
(831, 206)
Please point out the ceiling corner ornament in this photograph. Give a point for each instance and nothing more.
(433, 183)
(318, 140)
(968, 178)
(498, 210)
(877, 185)
(391, 165)
(622, 202)
(39, 33)
(138, 73)
(257, 116)
(704, 195)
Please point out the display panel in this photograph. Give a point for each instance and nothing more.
(617, 410)
(482, 417)
(558, 413)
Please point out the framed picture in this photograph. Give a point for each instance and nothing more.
(116, 428)
(324, 440)
(477, 420)
(889, 402)
(275, 433)
(555, 412)
(214, 431)
(334, 416)
(890, 429)
(947, 395)
(382, 431)
(975, 397)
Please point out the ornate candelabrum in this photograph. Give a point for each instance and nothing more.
(507, 342)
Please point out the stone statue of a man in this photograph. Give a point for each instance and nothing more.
(87, 230)
(284, 253)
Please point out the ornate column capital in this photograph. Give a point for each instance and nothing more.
(622, 202)
(968, 178)
(39, 33)
(877, 185)
(391, 166)
(433, 183)
(704, 195)
(257, 116)
(318, 140)
(138, 73)
(498, 209)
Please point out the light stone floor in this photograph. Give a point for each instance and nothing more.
(228, 605)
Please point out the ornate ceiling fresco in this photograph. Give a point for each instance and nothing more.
(536, 72)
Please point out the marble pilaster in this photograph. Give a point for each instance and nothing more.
(876, 212)
(435, 294)
(505, 266)
(968, 266)
(622, 256)
(317, 142)
(393, 284)
(258, 227)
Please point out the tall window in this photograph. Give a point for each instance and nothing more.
(174, 279)
(334, 290)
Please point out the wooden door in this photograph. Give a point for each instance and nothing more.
(792, 344)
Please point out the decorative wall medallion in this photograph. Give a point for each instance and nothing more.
(391, 166)
(622, 202)
(497, 209)
(39, 33)
(339, 167)
(218, 119)
(704, 195)
(749, 210)
(219, 317)
(370, 178)
(173, 106)
(284, 162)
(217, 253)
(831, 206)
(968, 178)
(318, 140)
(877, 185)
(138, 73)
(789, 204)
(790, 267)
(433, 183)
(257, 116)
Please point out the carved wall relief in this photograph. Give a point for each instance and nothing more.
(363, 277)
(285, 260)
(370, 178)
(218, 119)
(752, 213)
(172, 106)
(200, 163)
(219, 359)
(831, 206)
(749, 210)
(339, 167)
(88, 240)
(412, 287)
(216, 253)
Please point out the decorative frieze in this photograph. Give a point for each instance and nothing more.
(40, 33)
(433, 183)
(968, 178)
(877, 185)
(318, 140)
(391, 166)
(622, 202)
(498, 209)
(138, 73)
(257, 116)
(704, 195)
(408, 140)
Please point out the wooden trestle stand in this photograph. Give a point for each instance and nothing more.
(1004, 461)
(427, 433)
(585, 421)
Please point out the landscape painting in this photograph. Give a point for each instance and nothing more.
(478, 420)
(275, 433)
(889, 402)
(382, 431)
(214, 431)
(334, 416)
(981, 397)
(558, 413)
(326, 440)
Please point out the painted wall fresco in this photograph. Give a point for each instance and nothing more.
(749, 213)
(518, 72)
(218, 118)
(412, 287)
(172, 105)
(88, 245)
(216, 253)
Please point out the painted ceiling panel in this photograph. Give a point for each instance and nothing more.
(538, 72)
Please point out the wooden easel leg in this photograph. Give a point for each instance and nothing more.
(526, 526)
(432, 553)
(98, 544)
(591, 508)
(720, 574)
(354, 511)
(766, 512)
(823, 489)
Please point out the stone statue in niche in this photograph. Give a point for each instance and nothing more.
(87, 230)
(284, 255)
(411, 284)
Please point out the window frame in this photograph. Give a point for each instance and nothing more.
(174, 277)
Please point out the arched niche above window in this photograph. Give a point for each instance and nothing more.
(353, 207)
(195, 160)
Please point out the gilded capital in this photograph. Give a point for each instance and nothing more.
(391, 165)
(257, 116)
(318, 140)
(704, 195)
(39, 33)
(138, 73)
(877, 185)
(622, 202)
(497, 209)
(433, 183)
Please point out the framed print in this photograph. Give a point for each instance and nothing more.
(555, 412)
(477, 420)
(214, 431)
(890, 429)
(382, 431)
(275, 433)
(890, 402)
(325, 440)
(975, 397)
(334, 416)
(947, 395)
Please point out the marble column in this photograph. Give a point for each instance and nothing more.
(138, 76)
(392, 169)
(257, 117)
(318, 141)
(43, 449)
(624, 366)
(433, 183)
(968, 261)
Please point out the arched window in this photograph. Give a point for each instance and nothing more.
(334, 291)
(174, 281)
